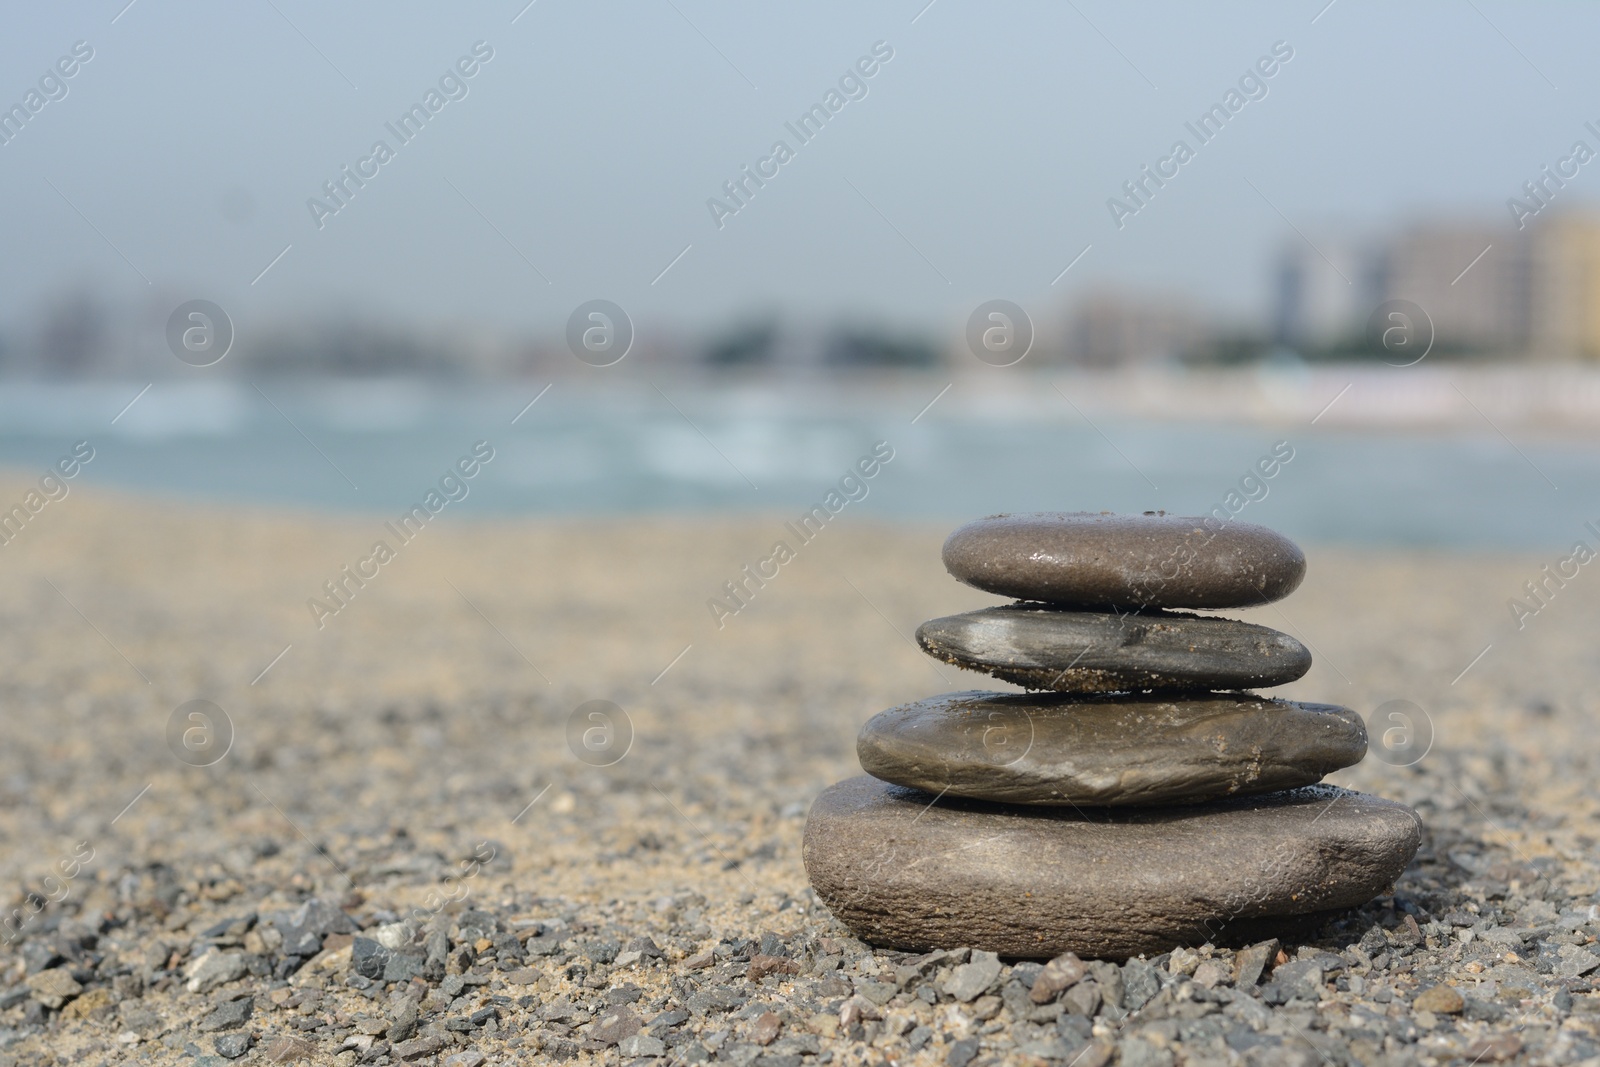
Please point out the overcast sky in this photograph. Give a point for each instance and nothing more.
(578, 165)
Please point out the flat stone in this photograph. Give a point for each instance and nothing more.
(1087, 559)
(1092, 652)
(904, 870)
(1144, 749)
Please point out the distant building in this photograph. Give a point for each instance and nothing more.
(1473, 282)
(1119, 329)
(1322, 293)
(1485, 289)
(1564, 304)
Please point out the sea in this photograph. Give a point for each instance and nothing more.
(585, 448)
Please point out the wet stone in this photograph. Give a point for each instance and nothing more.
(905, 870)
(1101, 560)
(1052, 749)
(1091, 652)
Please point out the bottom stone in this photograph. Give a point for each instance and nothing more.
(906, 871)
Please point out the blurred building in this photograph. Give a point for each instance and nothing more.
(1564, 289)
(1473, 281)
(1322, 293)
(1109, 329)
(1487, 290)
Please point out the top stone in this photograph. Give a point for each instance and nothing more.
(1100, 560)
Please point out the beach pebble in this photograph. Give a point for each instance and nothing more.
(1090, 652)
(903, 870)
(54, 987)
(974, 977)
(1439, 999)
(227, 1015)
(231, 1046)
(1138, 750)
(1087, 559)
(214, 969)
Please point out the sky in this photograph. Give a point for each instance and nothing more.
(577, 160)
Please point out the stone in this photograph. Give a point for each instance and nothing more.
(1439, 999)
(303, 928)
(417, 1047)
(906, 870)
(53, 987)
(367, 957)
(1083, 999)
(403, 1023)
(1297, 979)
(213, 969)
(1496, 1049)
(973, 978)
(1063, 971)
(289, 1049)
(1084, 559)
(231, 1046)
(761, 966)
(1251, 962)
(228, 1015)
(615, 1025)
(764, 1031)
(95, 1004)
(1140, 983)
(1091, 652)
(961, 1052)
(1576, 964)
(641, 1044)
(402, 967)
(134, 1016)
(1057, 749)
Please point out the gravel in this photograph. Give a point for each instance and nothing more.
(656, 909)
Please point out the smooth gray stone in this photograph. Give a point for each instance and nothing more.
(904, 870)
(1087, 559)
(1090, 652)
(1146, 749)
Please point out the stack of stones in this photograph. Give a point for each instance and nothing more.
(1145, 800)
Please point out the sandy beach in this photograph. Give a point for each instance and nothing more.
(408, 760)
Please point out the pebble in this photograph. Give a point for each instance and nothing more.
(1060, 973)
(1091, 652)
(227, 1015)
(642, 1044)
(212, 969)
(417, 1047)
(905, 871)
(1249, 964)
(1060, 749)
(54, 987)
(288, 1049)
(973, 978)
(1439, 999)
(231, 1046)
(1084, 559)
